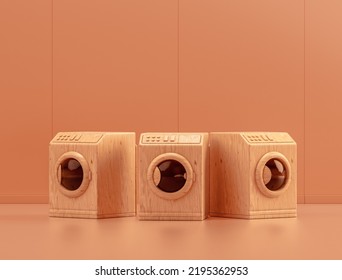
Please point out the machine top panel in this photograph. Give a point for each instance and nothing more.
(77, 137)
(267, 137)
(171, 138)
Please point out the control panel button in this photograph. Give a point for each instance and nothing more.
(70, 137)
(189, 139)
(171, 139)
(262, 138)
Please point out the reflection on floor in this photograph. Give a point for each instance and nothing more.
(26, 232)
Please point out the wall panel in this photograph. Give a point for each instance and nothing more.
(323, 101)
(242, 68)
(25, 99)
(205, 65)
(115, 65)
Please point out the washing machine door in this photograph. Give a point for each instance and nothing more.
(72, 174)
(170, 176)
(273, 174)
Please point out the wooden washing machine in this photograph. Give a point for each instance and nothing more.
(173, 176)
(253, 175)
(92, 175)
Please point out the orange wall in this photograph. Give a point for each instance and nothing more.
(115, 65)
(242, 68)
(25, 99)
(187, 65)
(323, 84)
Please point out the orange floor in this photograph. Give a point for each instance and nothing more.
(26, 232)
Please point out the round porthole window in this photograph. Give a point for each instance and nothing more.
(73, 174)
(273, 174)
(170, 176)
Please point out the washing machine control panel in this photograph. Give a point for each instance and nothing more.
(74, 137)
(155, 138)
(262, 138)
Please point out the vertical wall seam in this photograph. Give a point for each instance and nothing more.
(304, 103)
(52, 93)
(178, 62)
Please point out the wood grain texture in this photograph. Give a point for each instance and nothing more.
(192, 205)
(117, 172)
(110, 159)
(234, 189)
